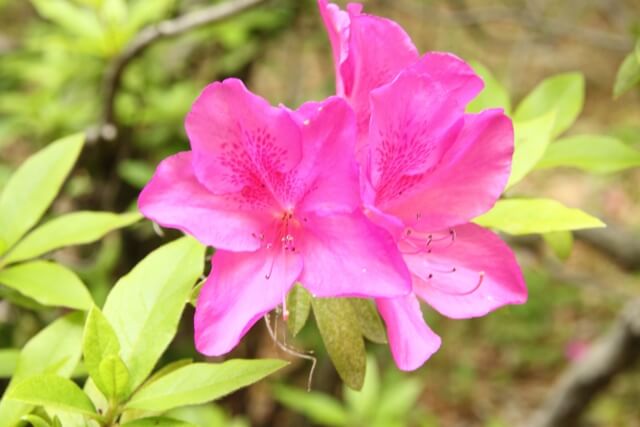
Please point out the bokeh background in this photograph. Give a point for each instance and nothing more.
(493, 371)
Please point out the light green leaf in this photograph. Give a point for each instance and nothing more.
(52, 391)
(144, 12)
(494, 94)
(99, 342)
(168, 368)
(35, 421)
(114, 376)
(636, 50)
(628, 75)
(318, 407)
(72, 229)
(8, 361)
(363, 403)
(299, 307)
(72, 18)
(145, 306)
(562, 94)
(398, 398)
(208, 415)
(55, 350)
(158, 422)
(48, 283)
(342, 337)
(369, 320)
(560, 242)
(531, 139)
(592, 153)
(201, 382)
(35, 184)
(529, 216)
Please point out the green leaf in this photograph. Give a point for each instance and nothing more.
(591, 153)
(529, 216)
(369, 320)
(55, 350)
(342, 337)
(398, 398)
(158, 422)
(318, 407)
(72, 18)
(48, 283)
(562, 94)
(207, 415)
(145, 306)
(99, 342)
(299, 307)
(32, 187)
(531, 139)
(8, 361)
(35, 421)
(363, 403)
(628, 75)
(72, 229)
(168, 368)
(114, 376)
(52, 391)
(560, 242)
(494, 94)
(201, 382)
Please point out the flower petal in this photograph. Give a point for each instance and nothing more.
(468, 180)
(175, 198)
(336, 22)
(486, 276)
(412, 342)
(414, 122)
(240, 143)
(238, 293)
(456, 76)
(346, 255)
(328, 169)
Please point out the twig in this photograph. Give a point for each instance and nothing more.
(620, 245)
(147, 36)
(578, 386)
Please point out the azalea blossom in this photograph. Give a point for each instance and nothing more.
(276, 193)
(427, 169)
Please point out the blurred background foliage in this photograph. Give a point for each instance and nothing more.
(55, 54)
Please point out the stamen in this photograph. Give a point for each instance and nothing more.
(457, 293)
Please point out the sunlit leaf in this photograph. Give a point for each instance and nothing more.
(560, 242)
(562, 94)
(8, 361)
(48, 283)
(318, 407)
(342, 337)
(72, 229)
(531, 140)
(52, 391)
(529, 216)
(158, 422)
(99, 342)
(494, 94)
(35, 421)
(628, 75)
(76, 20)
(114, 377)
(299, 307)
(201, 382)
(32, 187)
(591, 153)
(145, 306)
(54, 350)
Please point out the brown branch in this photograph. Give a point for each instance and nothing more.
(145, 38)
(614, 352)
(619, 244)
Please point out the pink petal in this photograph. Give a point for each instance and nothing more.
(241, 143)
(328, 169)
(237, 294)
(413, 124)
(486, 276)
(346, 255)
(456, 76)
(175, 198)
(466, 182)
(412, 342)
(336, 22)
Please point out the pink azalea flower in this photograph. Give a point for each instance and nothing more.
(276, 192)
(427, 169)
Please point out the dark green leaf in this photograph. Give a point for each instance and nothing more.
(342, 337)
(299, 307)
(369, 320)
(48, 283)
(201, 382)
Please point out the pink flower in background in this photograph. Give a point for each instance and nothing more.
(276, 192)
(427, 169)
